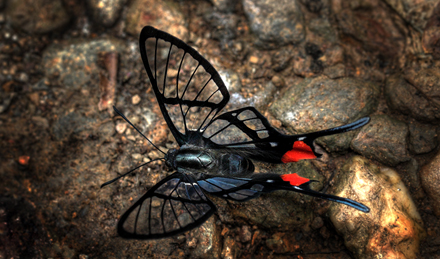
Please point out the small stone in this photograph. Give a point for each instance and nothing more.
(245, 234)
(136, 156)
(121, 127)
(135, 99)
(131, 138)
(254, 60)
(278, 82)
(317, 223)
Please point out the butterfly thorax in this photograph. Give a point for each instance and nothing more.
(195, 160)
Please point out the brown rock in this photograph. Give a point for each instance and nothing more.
(383, 139)
(393, 228)
(415, 93)
(430, 178)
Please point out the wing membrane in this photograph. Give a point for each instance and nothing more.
(189, 90)
(243, 189)
(247, 130)
(174, 205)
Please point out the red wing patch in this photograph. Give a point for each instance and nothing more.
(300, 151)
(294, 179)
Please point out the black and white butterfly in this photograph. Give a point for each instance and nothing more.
(216, 150)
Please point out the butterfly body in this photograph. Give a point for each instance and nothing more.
(195, 160)
(216, 149)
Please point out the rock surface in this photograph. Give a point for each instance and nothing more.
(393, 228)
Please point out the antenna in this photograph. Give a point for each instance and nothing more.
(120, 176)
(125, 118)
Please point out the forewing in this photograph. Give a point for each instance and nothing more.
(244, 127)
(174, 205)
(243, 189)
(189, 90)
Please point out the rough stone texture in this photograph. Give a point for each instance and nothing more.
(208, 239)
(430, 178)
(230, 250)
(431, 34)
(105, 12)
(321, 103)
(416, 93)
(392, 229)
(73, 64)
(37, 16)
(275, 23)
(164, 15)
(383, 139)
(369, 23)
(416, 13)
(224, 5)
(422, 138)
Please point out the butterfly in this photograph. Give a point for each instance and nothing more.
(216, 151)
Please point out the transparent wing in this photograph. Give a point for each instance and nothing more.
(243, 189)
(189, 90)
(174, 205)
(248, 130)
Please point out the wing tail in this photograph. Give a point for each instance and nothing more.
(243, 189)
(302, 145)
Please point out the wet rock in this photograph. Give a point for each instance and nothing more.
(163, 15)
(208, 243)
(415, 93)
(383, 139)
(422, 138)
(416, 13)
(105, 12)
(73, 64)
(281, 209)
(431, 35)
(430, 178)
(275, 23)
(392, 229)
(321, 103)
(37, 16)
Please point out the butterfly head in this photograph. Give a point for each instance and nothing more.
(170, 157)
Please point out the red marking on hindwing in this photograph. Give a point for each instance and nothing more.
(294, 179)
(299, 151)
